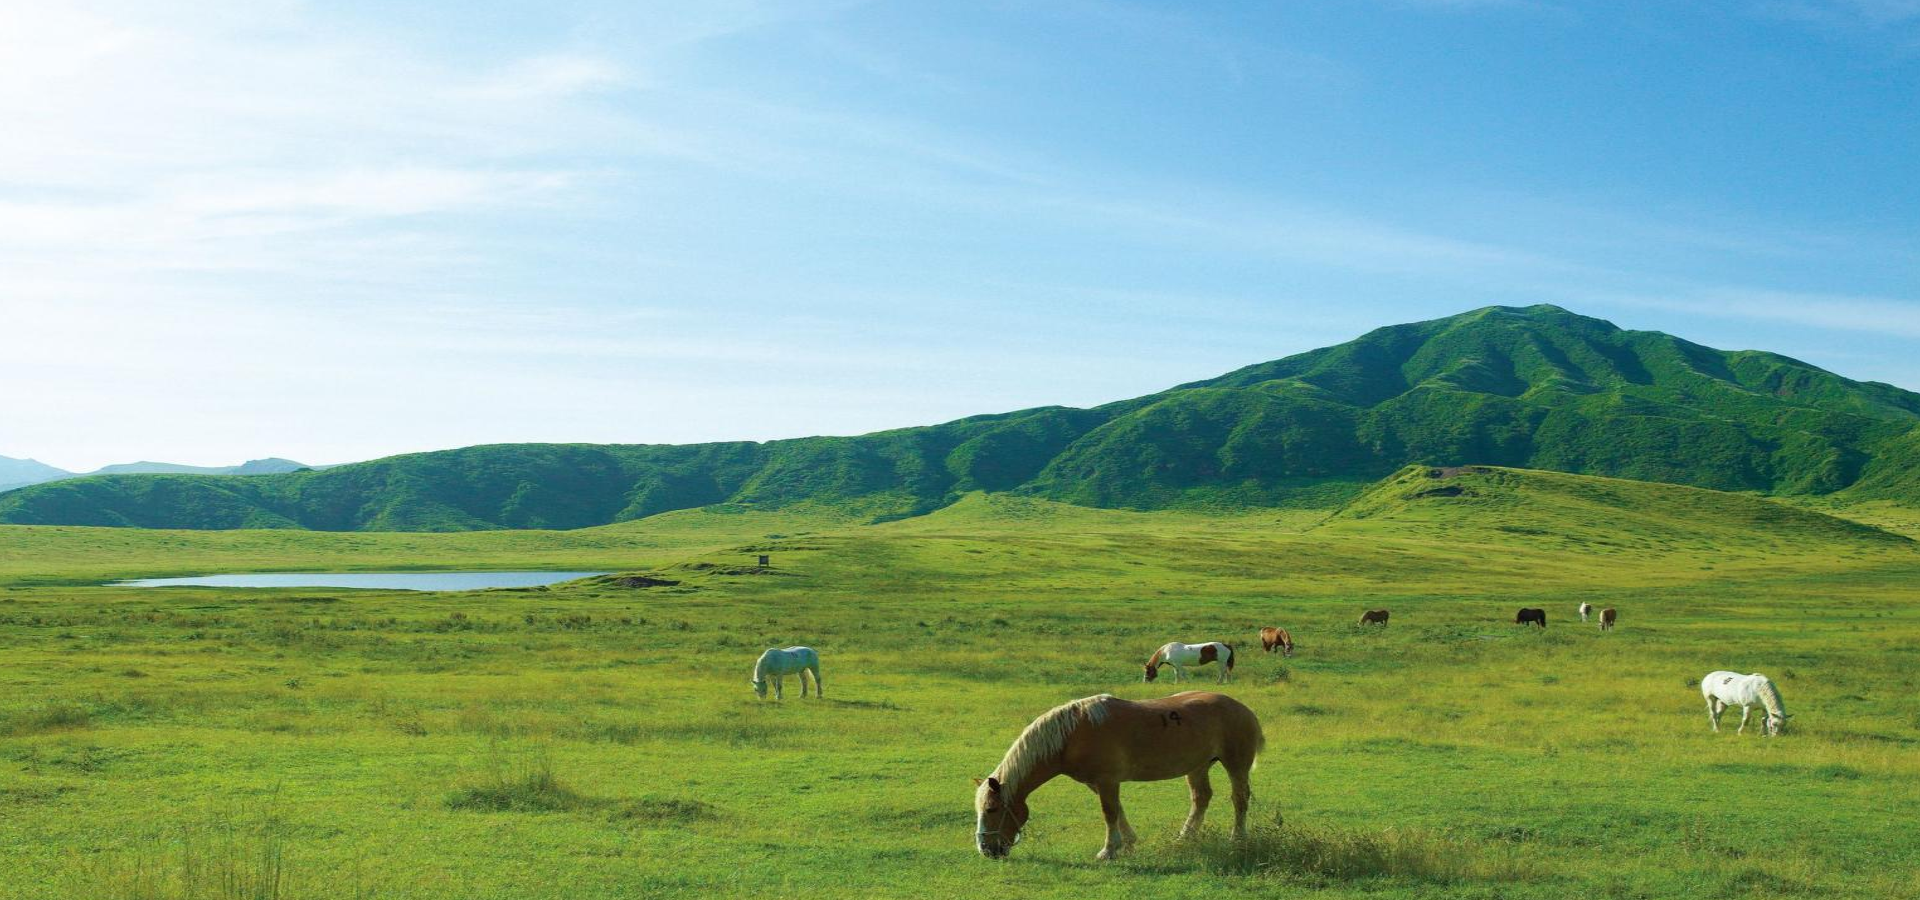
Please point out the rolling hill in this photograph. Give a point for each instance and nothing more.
(1536, 387)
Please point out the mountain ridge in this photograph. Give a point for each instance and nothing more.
(1534, 387)
(19, 473)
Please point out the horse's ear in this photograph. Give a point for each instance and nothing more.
(993, 784)
(978, 782)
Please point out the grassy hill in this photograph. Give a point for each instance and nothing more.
(1535, 387)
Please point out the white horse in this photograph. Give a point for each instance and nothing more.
(1585, 608)
(1721, 689)
(1177, 655)
(792, 660)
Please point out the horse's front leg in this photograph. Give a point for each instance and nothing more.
(1117, 829)
(779, 687)
(1745, 711)
(818, 690)
(1202, 790)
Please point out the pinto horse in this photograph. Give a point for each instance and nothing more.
(1102, 741)
(1178, 655)
(1531, 617)
(1271, 638)
(1721, 689)
(793, 660)
(1374, 617)
(1607, 617)
(1585, 608)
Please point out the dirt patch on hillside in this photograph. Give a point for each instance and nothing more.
(1456, 471)
(643, 581)
(707, 568)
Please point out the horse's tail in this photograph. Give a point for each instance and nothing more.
(1230, 654)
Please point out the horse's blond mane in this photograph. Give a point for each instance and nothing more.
(1046, 736)
(1770, 698)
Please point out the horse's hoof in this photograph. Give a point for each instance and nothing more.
(1107, 854)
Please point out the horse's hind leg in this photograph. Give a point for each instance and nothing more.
(1117, 830)
(1202, 790)
(1242, 795)
(1713, 714)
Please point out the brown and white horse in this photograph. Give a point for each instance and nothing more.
(1607, 617)
(1178, 655)
(1272, 638)
(1374, 617)
(1102, 741)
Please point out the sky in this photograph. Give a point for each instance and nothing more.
(233, 229)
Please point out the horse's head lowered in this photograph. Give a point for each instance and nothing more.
(1153, 671)
(999, 818)
(759, 687)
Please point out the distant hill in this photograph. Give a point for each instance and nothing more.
(17, 473)
(270, 466)
(1536, 387)
(22, 472)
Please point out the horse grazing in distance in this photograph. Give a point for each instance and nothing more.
(1178, 655)
(1374, 617)
(1607, 617)
(1102, 741)
(793, 660)
(1271, 638)
(1721, 689)
(1585, 608)
(1528, 616)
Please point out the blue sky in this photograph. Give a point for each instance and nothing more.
(338, 231)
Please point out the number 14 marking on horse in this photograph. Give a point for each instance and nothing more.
(1169, 718)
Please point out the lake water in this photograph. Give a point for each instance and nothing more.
(392, 581)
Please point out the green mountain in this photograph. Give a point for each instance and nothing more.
(1535, 387)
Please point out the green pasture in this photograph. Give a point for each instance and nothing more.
(593, 739)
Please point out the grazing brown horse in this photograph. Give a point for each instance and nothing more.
(1528, 616)
(1374, 617)
(1102, 741)
(1606, 619)
(1277, 637)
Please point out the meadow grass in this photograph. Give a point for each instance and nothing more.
(597, 740)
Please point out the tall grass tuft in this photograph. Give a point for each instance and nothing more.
(225, 859)
(49, 717)
(1319, 854)
(527, 785)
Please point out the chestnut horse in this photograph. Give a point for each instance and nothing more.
(1607, 617)
(1277, 637)
(1374, 617)
(1102, 741)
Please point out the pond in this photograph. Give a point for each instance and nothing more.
(391, 581)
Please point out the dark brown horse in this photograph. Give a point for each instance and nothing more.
(1272, 638)
(1374, 617)
(1529, 616)
(1606, 619)
(1102, 741)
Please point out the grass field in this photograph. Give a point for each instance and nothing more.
(597, 740)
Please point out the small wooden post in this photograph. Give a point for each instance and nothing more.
(764, 560)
